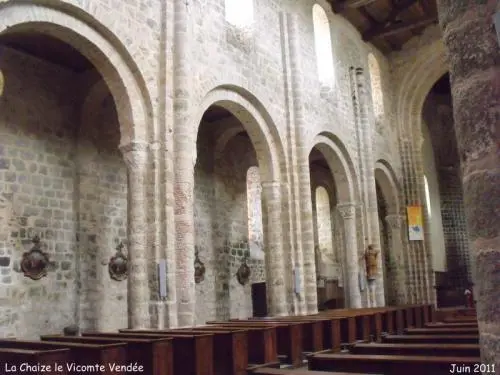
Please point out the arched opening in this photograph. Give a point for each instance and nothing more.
(444, 209)
(323, 45)
(376, 89)
(331, 184)
(64, 180)
(239, 13)
(388, 262)
(228, 218)
(394, 259)
(328, 260)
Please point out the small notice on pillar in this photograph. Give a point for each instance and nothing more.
(415, 223)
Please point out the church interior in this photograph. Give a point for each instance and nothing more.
(233, 187)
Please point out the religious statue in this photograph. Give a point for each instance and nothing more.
(371, 262)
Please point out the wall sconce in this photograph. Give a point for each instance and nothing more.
(118, 264)
(35, 262)
(2, 83)
(243, 273)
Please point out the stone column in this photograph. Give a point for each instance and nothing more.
(474, 56)
(184, 161)
(301, 125)
(274, 255)
(348, 213)
(136, 157)
(364, 127)
(396, 249)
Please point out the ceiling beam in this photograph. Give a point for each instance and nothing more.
(389, 21)
(400, 27)
(341, 6)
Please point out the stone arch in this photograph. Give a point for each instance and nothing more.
(255, 120)
(418, 80)
(340, 164)
(428, 66)
(386, 178)
(107, 54)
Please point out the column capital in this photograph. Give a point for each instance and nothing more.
(346, 210)
(395, 221)
(135, 154)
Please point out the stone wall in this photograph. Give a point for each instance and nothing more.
(65, 183)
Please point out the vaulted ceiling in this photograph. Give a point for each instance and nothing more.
(388, 24)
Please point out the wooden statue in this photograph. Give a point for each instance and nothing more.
(371, 262)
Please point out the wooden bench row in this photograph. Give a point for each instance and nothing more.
(219, 348)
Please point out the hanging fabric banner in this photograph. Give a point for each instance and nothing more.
(415, 223)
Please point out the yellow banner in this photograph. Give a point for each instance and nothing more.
(415, 223)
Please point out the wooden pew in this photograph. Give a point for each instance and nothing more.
(274, 371)
(104, 357)
(443, 350)
(450, 325)
(465, 319)
(193, 354)
(388, 364)
(155, 355)
(262, 344)
(34, 362)
(441, 331)
(431, 339)
(355, 325)
(230, 347)
(288, 336)
(313, 329)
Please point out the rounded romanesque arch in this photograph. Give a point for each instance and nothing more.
(415, 82)
(344, 266)
(340, 164)
(255, 120)
(385, 178)
(106, 54)
(428, 66)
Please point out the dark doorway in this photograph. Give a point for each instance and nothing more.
(259, 300)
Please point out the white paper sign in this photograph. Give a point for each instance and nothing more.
(162, 277)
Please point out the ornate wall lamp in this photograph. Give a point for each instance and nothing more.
(118, 264)
(35, 262)
(243, 273)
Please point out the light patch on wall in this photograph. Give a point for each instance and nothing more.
(427, 196)
(323, 45)
(376, 87)
(2, 83)
(239, 12)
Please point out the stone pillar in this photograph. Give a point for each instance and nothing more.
(291, 63)
(371, 208)
(184, 161)
(348, 213)
(396, 249)
(136, 157)
(273, 246)
(474, 56)
(304, 175)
